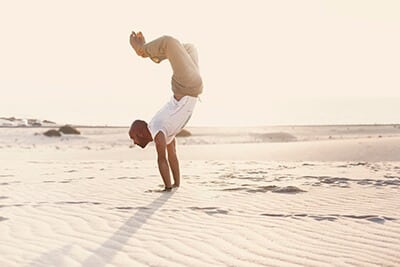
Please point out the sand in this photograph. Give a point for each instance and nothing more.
(86, 201)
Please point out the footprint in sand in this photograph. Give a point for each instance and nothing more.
(324, 218)
(268, 188)
(295, 216)
(334, 217)
(131, 208)
(210, 210)
(371, 218)
(288, 190)
(328, 180)
(77, 202)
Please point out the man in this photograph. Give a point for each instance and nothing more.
(170, 120)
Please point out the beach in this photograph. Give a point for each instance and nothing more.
(261, 196)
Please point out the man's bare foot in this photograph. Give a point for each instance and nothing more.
(137, 41)
(175, 185)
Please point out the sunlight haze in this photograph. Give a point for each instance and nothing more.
(262, 62)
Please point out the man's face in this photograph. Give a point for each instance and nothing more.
(138, 140)
(141, 143)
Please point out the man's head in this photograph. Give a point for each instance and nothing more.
(139, 133)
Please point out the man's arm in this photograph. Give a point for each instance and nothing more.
(174, 163)
(163, 167)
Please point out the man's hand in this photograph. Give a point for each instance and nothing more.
(137, 41)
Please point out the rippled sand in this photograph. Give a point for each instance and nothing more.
(227, 213)
(329, 198)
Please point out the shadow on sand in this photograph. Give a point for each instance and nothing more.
(112, 245)
(104, 254)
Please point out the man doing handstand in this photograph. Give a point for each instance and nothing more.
(186, 85)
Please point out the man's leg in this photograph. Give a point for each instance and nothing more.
(192, 51)
(186, 78)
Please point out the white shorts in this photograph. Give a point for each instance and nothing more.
(172, 117)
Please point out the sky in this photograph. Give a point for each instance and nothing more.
(262, 62)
